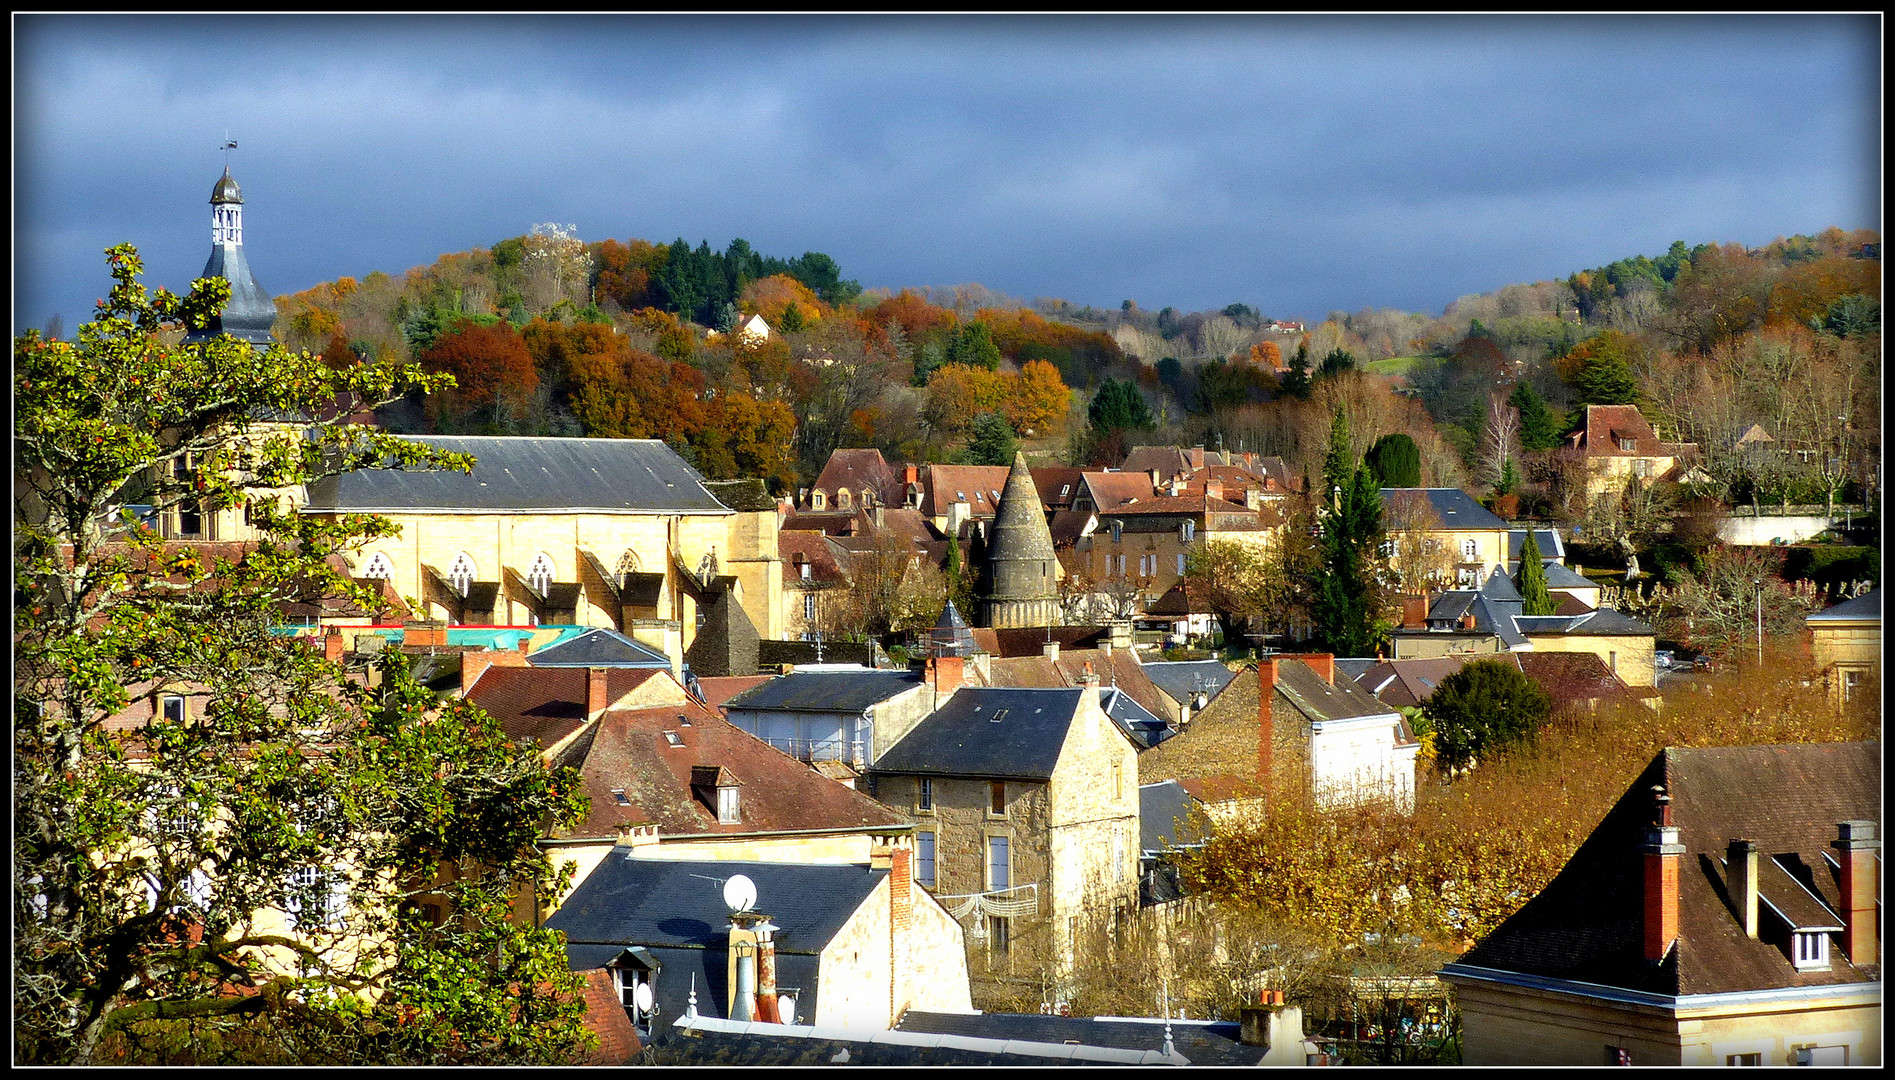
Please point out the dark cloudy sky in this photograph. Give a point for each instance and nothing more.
(1300, 165)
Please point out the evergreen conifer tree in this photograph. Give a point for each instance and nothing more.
(1531, 581)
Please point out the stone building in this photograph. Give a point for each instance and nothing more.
(1020, 583)
(1846, 645)
(1027, 816)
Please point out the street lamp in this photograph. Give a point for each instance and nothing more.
(1758, 582)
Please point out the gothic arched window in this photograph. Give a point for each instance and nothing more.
(540, 574)
(461, 574)
(627, 566)
(379, 566)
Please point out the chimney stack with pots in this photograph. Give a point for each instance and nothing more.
(1661, 850)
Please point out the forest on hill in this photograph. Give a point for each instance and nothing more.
(549, 334)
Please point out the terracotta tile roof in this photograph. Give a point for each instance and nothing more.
(722, 689)
(1586, 925)
(1112, 492)
(548, 704)
(1214, 789)
(1058, 485)
(836, 523)
(860, 470)
(796, 547)
(1606, 425)
(637, 769)
(981, 484)
(607, 1019)
(1120, 669)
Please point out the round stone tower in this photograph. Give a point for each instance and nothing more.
(1022, 573)
(250, 312)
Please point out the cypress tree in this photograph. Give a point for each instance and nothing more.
(1348, 597)
(1531, 581)
(1338, 464)
(1395, 461)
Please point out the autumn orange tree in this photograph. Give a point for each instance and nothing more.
(1472, 853)
(492, 370)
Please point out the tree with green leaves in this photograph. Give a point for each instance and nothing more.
(1483, 709)
(1231, 579)
(1602, 369)
(1119, 407)
(792, 321)
(974, 346)
(241, 881)
(990, 440)
(1337, 362)
(1339, 463)
(1531, 580)
(1539, 428)
(1296, 381)
(1349, 595)
(1395, 461)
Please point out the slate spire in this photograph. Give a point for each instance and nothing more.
(250, 312)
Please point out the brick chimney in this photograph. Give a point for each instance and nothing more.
(1415, 612)
(596, 696)
(767, 1010)
(1855, 842)
(1266, 721)
(1661, 850)
(944, 673)
(901, 912)
(1213, 489)
(423, 633)
(332, 644)
(910, 474)
(1322, 663)
(1740, 862)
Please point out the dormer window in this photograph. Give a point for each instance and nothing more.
(718, 790)
(1810, 950)
(1628, 445)
(728, 810)
(842, 498)
(173, 705)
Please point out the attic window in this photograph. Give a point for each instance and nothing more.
(960, 496)
(1628, 445)
(996, 717)
(1065, 490)
(1811, 950)
(727, 807)
(618, 796)
(674, 739)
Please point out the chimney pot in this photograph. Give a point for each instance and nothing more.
(1661, 850)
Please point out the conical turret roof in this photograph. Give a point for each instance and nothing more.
(1020, 530)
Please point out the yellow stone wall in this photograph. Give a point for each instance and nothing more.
(1629, 656)
(1839, 648)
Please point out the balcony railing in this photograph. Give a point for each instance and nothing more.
(855, 752)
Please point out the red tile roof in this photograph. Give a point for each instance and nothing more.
(636, 766)
(548, 704)
(607, 1019)
(981, 484)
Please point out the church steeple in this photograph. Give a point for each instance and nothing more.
(250, 313)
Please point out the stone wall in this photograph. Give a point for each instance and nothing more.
(1629, 656)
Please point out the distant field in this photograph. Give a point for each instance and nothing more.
(1394, 365)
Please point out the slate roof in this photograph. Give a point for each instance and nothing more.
(850, 691)
(1411, 682)
(611, 476)
(1180, 679)
(670, 903)
(1162, 809)
(1558, 576)
(1552, 548)
(1456, 508)
(636, 767)
(1602, 622)
(1586, 925)
(719, 689)
(599, 647)
(1866, 606)
(1203, 1042)
(1139, 724)
(987, 732)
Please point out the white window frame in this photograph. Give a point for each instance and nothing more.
(924, 858)
(166, 705)
(804, 568)
(1188, 531)
(379, 566)
(462, 573)
(1000, 870)
(1470, 549)
(1180, 564)
(924, 795)
(328, 889)
(809, 606)
(729, 805)
(1810, 950)
(539, 576)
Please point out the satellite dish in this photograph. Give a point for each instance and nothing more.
(740, 893)
(642, 997)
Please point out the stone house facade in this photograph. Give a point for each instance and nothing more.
(1846, 645)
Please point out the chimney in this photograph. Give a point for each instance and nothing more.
(1415, 612)
(766, 973)
(901, 908)
(1105, 646)
(1275, 1027)
(472, 665)
(1856, 843)
(332, 644)
(1661, 850)
(596, 699)
(1051, 651)
(423, 633)
(1154, 479)
(944, 673)
(1323, 664)
(1253, 499)
(910, 474)
(1266, 725)
(743, 961)
(1213, 489)
(1740, 862)
(880, 521)
(1467, 621)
